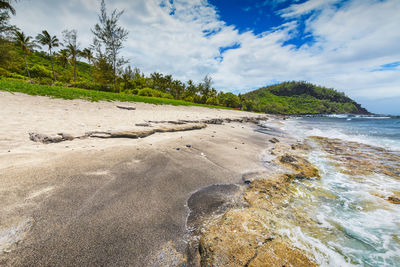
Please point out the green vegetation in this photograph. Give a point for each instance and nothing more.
(105, 76)
(300, 98)
(13, 85)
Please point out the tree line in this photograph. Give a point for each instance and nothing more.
(105, 70)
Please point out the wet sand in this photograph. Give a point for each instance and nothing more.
(111, 201)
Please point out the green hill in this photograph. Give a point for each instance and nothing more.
(301, 98)
(40, 68)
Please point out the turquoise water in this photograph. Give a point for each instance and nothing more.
(381, 131)
(354, 222)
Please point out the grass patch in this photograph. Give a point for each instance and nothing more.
(90, 95)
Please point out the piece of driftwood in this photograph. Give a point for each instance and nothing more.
(127, 108)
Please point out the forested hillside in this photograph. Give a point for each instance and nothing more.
(301, 98)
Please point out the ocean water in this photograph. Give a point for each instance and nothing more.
(381, 131)
(359, 163)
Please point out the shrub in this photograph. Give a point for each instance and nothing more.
(4, 72)
(92, 86)
(153, 93)
(43, 80)
(135, 91)
(17, 76)
(189, 99)
(212, 101)
(58, 83)
(146, 92)
(38, 71)
(167, 95)
(84, 85)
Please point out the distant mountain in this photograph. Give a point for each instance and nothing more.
(300, 98)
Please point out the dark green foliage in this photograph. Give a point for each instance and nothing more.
(300, 98)
(229, 100)
(109, 34)
(45, 39)
(5, 5)
(5, 52)
(212, 101)
(154, 93)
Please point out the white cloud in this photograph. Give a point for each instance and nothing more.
(296, 10)
(184, 38)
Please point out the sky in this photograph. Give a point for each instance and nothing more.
(352, 46)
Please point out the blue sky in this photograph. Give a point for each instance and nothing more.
(351, 45)
(261, 16)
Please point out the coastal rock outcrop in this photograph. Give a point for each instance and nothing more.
(250, 235)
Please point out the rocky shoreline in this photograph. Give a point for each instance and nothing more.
(244, 228)
(241, 227)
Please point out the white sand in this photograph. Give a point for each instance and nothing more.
(21, 114)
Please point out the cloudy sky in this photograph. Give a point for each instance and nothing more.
(350, 45)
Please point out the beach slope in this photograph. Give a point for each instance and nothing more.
(94, 196)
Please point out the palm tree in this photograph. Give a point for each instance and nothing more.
(45, 38)
(74, 53)
(26, 44)
(88, 54)
(62, 56)
(5, 5)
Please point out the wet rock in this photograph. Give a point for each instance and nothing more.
(238, 239)
(300, 177)
(302, 167)
(168, 256)
(274, 140)
(300, 146)
(278, 253)
(211, 200)
(250, 236)
(287, 159)
(354, 158)
(394, 200)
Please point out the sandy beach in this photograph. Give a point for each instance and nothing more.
(112, 201)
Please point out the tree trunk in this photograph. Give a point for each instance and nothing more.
(52, 66)
(115, 75)
(26, 66)
(91, 68)
(75, 69)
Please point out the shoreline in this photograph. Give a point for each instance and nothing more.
(111, 201)
(179, 190)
